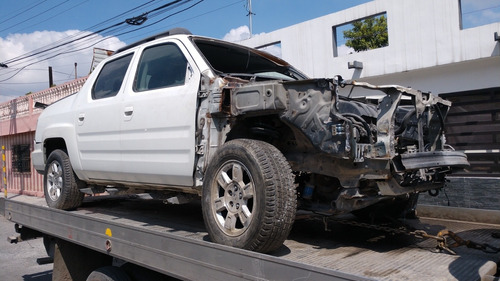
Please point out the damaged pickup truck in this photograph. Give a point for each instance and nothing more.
(182, 116)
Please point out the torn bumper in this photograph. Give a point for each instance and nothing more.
(433, 159)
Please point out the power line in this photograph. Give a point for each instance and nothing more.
(67, 42)
(42, 82)
(142, 27)
(188, 19)
(480, 10)
(32, 17)
(115, 27)
(23, 11)
(51, 16)
(64, 43)
(55, 44)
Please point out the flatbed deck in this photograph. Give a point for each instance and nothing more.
(172, 239)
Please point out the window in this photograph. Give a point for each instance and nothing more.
(475, 13)
(160, 66)
(111, 77)
(360, 35)
(21, 158)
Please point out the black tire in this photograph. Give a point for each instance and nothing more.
(249, 198)
(60, 182)
(108, 273)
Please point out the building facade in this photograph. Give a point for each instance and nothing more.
(428, 49)
(18, 119)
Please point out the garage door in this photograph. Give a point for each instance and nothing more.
(473, 125)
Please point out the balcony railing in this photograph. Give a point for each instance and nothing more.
(23, 106)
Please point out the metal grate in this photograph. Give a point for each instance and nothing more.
(21, 162)
(473, 125)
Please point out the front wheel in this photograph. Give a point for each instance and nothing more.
(60, 182)
(249, 197)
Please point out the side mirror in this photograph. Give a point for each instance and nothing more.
(41, 105)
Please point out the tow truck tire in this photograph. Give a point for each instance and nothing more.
(108, 273)
(249, 198)
(60, 182)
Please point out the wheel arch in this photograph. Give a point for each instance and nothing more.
(271, 129)
(53, 144)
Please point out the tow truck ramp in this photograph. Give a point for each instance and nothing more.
(171, 239)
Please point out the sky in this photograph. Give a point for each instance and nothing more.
(34, 25)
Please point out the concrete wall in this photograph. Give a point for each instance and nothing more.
(427, 48)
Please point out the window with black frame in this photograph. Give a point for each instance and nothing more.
(110, 78)
(21, 162)
(161, 66)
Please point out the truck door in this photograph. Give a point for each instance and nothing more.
(98, 120)
(158, 118)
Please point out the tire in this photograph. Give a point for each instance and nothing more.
(249, 198)
(60, 182)
(108, 273)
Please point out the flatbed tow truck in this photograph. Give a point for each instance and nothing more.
(149, 237)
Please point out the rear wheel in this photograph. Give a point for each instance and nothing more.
(60, 182)
(249, 197)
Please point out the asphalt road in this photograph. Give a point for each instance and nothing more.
(19, 261)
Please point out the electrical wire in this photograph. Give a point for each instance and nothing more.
(87, 37)
(480, 10)
(55, 44)
(115, 27)
(23, 11)
(67, 42)
(152, 31)
(51, 16)
(162, 19)
(32, 17)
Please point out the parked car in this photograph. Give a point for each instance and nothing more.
(251, 135)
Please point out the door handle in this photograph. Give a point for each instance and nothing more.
(128, 112)
(81, 118)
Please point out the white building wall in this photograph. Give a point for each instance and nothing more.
(427, 48)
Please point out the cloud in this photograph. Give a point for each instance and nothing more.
(237, 34)
(477, 13)
(34, 77)
(479, 5)
(344, 50)
(243, 33)
(274, 50)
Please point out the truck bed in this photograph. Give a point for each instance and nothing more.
(172, 239)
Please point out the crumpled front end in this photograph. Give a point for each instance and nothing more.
(351, 152)
(398, 144)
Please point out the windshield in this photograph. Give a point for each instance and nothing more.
(236, 60)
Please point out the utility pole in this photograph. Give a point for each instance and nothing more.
(51, 81)
(250, 16)
(76, 76)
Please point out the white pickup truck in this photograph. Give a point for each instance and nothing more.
(177, 116)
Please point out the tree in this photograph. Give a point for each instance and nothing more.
(367, 34)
